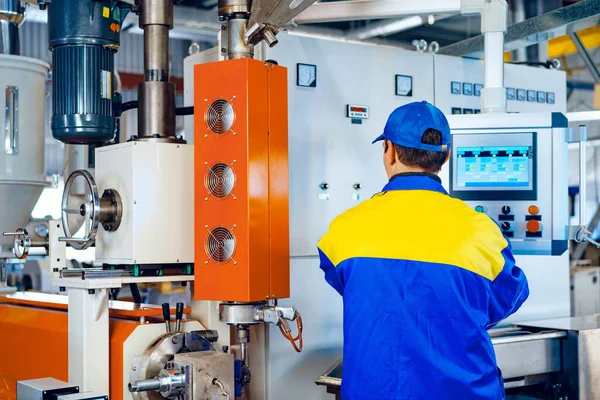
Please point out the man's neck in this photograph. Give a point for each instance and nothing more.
(404, 169)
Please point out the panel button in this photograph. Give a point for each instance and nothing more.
(505, 226)
(506, 210)
(533, 226)
(479, 209)
(533, 209)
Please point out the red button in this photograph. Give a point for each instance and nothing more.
(533, 226)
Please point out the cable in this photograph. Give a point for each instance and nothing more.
(129, 105)
(285, 331)
(184, 110)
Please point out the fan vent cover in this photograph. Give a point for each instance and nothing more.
(220, 244)
(219, 180)
(220, 116)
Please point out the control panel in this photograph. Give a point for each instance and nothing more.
(512, 168)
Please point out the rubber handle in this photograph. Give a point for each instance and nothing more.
(166, 311)
(179, 311)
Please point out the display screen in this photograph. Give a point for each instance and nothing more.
(493, 166)
(358, 109)
(486, 164)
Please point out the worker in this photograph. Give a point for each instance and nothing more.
(422, 275)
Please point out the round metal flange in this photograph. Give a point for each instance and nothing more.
(238, 313)
(111, 210)
(80, 210)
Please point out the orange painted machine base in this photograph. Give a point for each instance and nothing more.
(33, 344)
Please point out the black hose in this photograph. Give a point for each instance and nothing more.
(135, 293)
(129, 105)
(184, 110)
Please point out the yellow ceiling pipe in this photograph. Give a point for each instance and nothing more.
(563, 45)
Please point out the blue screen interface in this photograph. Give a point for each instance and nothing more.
(494, 167)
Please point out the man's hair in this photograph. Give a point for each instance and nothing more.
(429, 161)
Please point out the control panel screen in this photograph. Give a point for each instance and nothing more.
(498, 165)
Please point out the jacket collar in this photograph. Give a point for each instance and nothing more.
(415, 181)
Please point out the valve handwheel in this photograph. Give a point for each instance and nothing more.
(85, 208)
(21, 244)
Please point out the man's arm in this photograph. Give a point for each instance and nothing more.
(332, 273)
(508, 291)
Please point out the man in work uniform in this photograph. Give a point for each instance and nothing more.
(423, 277)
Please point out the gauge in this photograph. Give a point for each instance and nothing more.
(306, 75)
(541, 97)
(477, 89)
(531, 95)
(455, 87)
(511, 94)
(550, 98)
(521, 94)
(467, 89)
(404, 85)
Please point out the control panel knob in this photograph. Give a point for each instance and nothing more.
(506, 210)
(357, 186)
(505, 225)
(324, 185)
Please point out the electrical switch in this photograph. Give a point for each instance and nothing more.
(506, 210)
(533, 209)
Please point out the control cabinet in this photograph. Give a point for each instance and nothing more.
(514, 168)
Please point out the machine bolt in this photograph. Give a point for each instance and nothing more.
(91, 291)
(107, 228)
(223, 27)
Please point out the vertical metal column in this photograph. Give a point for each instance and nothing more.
(156, 95)
(89, 339)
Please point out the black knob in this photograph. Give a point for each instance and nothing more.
(505, 226)
(225, 349)
(179, 311)
(506, 210)
(324, 186)
(357, 186)
(166, 311)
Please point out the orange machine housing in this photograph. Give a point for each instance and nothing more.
(241, 181)
(34, 337)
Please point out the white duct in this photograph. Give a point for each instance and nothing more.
(386, 28)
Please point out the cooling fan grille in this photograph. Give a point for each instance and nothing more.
(219, 180)
(220, 244)
(220, 116)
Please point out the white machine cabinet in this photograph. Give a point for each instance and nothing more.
(156, 184)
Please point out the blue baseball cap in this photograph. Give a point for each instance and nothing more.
(407, 124)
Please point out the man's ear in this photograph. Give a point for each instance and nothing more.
(448, 155)
(390, 153)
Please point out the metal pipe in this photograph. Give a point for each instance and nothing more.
(236, 44)
(587, 59)
(156, 53)
(494, 95)
(582, 175)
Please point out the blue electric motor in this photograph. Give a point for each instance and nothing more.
(84, 37)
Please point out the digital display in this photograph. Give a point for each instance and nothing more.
(502, 165)
(541, 97)
(511, 94)
(358, 109)
(455, 87)
(467, 89)
(493, 166)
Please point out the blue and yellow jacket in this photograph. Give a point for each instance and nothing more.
(423, 276)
